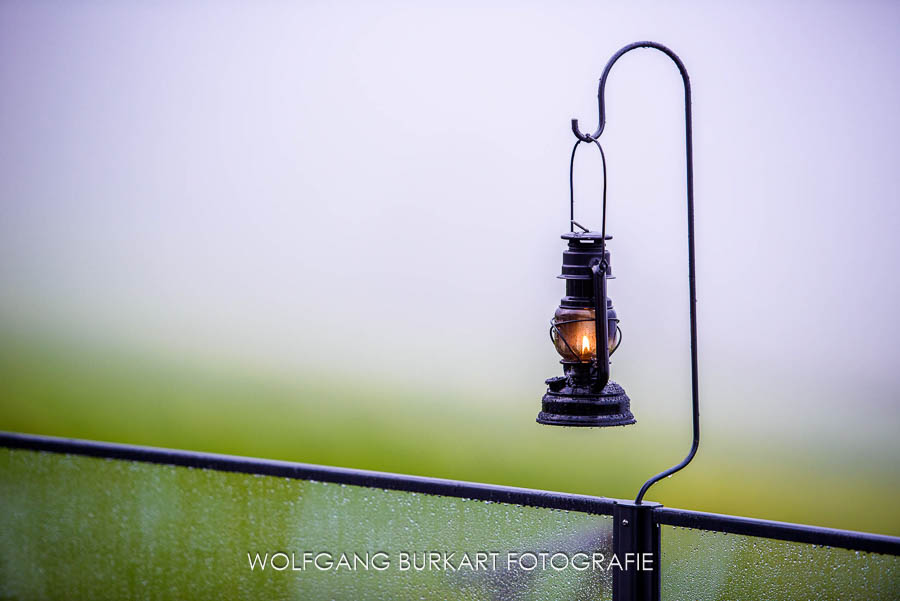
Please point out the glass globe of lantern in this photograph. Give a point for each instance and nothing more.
(574, 333)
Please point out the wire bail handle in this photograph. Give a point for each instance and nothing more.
(572, 222)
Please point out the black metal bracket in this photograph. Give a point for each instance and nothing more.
(636, 546)
(692, 287)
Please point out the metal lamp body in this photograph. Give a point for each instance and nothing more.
(584, 395)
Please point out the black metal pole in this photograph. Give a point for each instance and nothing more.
(636, 541)
(692, 286)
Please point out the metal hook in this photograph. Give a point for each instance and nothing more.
(601, 88)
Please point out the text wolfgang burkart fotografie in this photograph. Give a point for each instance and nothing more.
(445, 561)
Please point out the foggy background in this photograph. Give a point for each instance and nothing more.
(373, 193)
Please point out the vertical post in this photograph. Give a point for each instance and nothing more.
(689, 168)
(636, 548)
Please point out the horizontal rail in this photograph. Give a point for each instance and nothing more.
(306, 471)
(799, 533)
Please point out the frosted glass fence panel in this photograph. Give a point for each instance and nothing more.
(77, 527)
(699, 565)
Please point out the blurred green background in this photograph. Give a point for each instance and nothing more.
(85, 390)
(330, 234)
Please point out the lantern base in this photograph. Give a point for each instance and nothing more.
(568, 405)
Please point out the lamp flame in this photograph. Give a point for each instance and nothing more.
(585, 345)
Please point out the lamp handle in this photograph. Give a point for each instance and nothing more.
(572, 222)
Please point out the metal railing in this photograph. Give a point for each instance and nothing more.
(636, 528)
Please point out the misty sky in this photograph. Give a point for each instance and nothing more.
(380, 188)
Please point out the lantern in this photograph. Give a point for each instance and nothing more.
(584, 395)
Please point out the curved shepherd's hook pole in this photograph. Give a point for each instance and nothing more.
(689, 156)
